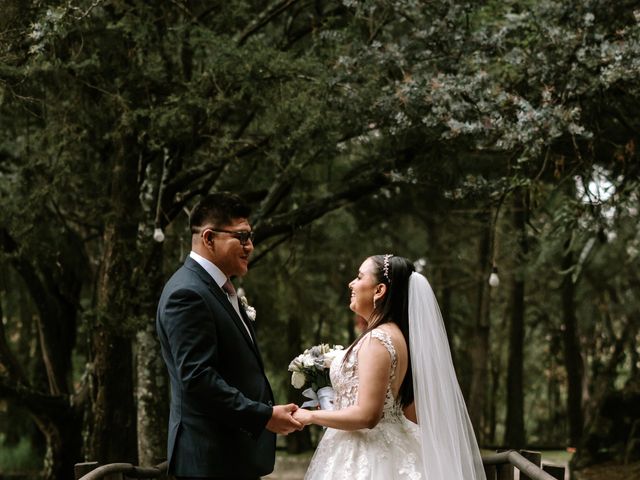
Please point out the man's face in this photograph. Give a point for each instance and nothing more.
(227, 250)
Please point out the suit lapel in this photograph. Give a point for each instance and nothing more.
(249, 323)
(224, 300)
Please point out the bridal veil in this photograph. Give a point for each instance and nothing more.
(449, 447)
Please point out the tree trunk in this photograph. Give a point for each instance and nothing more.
(56, 297)
(492, 415)
(113, 433)
(557, 430)
(56, 419)
(515, 434)
(64, 441)
(608, 422)
(480, 344)
(113, 429)
(572, 351)
(152, 386)
(440, 280)
(152, 394)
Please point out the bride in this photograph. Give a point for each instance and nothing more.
(398, 411)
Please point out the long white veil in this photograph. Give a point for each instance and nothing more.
(449, 447)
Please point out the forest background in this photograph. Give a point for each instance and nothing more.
(472, 137)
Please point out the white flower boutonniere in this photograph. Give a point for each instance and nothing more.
(250, 311)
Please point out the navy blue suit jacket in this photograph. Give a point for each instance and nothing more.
(221, 399)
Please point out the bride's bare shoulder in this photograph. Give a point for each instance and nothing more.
(389, 328)
(394, 332)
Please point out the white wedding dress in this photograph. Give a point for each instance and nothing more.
(391, 450)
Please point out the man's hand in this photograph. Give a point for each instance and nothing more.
(282, 421)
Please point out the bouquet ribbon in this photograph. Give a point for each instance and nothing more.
(323, 397)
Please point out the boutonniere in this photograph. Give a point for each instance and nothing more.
(250, 311)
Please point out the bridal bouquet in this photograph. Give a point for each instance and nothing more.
(311, 369)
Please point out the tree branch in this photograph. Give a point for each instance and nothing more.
(37, 402)
(365, 183)
(175, 194)
(279, 190)
(188, 177)
(51, 320)
(263, 19)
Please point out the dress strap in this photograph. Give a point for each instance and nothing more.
(385, 339)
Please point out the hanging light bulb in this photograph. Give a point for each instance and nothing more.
(158, 235)
(494, 279)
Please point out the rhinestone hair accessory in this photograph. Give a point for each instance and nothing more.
(385, 266)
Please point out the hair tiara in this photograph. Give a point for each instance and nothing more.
(386, 266)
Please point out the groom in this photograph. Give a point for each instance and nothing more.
(222, 421)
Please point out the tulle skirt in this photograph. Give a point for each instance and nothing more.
(389, 451)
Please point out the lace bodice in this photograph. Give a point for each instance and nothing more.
(389, 451)
(344, 376)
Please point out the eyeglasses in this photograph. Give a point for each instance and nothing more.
(243, 236)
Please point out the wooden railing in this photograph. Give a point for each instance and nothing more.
(499, 466)
(502, 466)
(118, 471)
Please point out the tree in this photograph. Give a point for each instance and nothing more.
(117, 115)
(172, 124)
(515, 433)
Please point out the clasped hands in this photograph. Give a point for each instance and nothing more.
(288, 418)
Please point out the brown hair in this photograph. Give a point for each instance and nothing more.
(392, 307)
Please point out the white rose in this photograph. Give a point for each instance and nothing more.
(298, 379)
(295, 365)
(331, 355)
(308, 361)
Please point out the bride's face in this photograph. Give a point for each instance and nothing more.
(365, 288)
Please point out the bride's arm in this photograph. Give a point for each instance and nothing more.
(374, 366)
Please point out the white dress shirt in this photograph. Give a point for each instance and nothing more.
(220, 279)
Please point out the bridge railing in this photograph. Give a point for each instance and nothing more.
(118, 471)
(499, 466)
(502, 466)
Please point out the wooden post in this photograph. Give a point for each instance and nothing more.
(633, 444)
(490, 472)
(555, 471)
(81, 469)
(506, 472)
(533, 457)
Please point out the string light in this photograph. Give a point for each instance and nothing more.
(158, 235)
(494, 279)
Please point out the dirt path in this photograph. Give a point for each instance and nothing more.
(289, 467)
